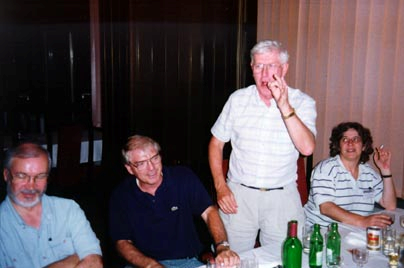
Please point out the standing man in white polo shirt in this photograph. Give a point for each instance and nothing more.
(268, 125)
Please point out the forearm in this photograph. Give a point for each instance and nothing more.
(302, 137)
(224, 255)
(388, 200)
(214, 224)
(73, 261)
(216, 162)
(69, 262)
(91, 261)
(132, 255)
(339, 214)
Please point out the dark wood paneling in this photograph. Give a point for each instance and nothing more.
(44, 64)
(182, 66)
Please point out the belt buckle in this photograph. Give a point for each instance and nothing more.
(263, 189)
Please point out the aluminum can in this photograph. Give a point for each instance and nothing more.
(374, 236)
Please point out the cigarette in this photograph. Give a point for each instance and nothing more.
(377, 151)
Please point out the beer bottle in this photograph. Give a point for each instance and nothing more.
(316, 248)
(292, 248)
(333, 246)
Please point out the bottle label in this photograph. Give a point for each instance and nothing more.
(329, 255)
(319, 258)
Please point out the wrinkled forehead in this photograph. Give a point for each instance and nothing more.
(34, 164)
(142, 152)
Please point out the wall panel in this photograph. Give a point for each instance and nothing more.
(348, 55)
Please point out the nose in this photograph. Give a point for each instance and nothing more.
(350, 141)
(150, 165)
(266, 69)
(30, 182)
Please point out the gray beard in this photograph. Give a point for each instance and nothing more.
(14, 198)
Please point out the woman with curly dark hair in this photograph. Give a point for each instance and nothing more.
(345, 187)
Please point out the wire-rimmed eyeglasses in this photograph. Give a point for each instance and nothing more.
(257, 68)
(142, 165)
(21, 177)
(353, 140)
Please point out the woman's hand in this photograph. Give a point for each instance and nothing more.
(382, 159)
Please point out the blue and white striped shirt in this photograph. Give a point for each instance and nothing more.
(263, 154)
(331, 182)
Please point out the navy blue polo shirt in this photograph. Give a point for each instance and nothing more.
(160, 226)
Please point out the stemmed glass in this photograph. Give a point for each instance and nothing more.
(391, 215)
(360, 256)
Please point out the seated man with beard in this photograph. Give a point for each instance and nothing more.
(37, 230)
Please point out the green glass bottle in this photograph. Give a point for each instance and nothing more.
(316, 248)
(292, 248)
(333, 246)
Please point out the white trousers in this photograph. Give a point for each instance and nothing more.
(267, 211)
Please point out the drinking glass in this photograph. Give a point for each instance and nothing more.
(249, 263)
(394, 257)
(391, 215)
(306, 234)
(360, 256)
(388, 240)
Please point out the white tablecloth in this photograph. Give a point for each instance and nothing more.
(351, 237)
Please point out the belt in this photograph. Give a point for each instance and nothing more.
(262, 189)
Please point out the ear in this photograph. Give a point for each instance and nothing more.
(285, 68)
(6, 175)
(129, 169)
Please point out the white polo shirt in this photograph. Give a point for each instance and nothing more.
(263, 154)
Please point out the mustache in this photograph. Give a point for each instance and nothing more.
(30, 191)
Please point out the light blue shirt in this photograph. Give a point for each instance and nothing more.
(64, 231)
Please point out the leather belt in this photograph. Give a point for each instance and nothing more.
(262, 189)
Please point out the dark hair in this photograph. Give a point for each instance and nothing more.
(364, 133)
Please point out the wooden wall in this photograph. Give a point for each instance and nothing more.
(349, 56)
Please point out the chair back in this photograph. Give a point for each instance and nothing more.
(68, 170)
(302, 184)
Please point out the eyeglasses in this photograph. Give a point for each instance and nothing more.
(25, 178)
(142, 165)
(257, 68)
(353, 140)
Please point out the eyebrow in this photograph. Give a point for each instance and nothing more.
(135, 162)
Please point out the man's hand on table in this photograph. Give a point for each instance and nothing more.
(226, 257)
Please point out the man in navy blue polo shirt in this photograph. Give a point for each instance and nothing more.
(152, 212)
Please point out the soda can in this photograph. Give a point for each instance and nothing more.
(374, 236)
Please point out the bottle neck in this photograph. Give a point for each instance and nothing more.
(293, 229)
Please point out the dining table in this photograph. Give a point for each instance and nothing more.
(269, 256)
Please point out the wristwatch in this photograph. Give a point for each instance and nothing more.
(222, 243)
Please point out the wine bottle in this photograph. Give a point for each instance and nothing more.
(333, 246)
(316, 248)
(292, 248)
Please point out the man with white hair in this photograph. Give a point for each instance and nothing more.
(268, 125)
